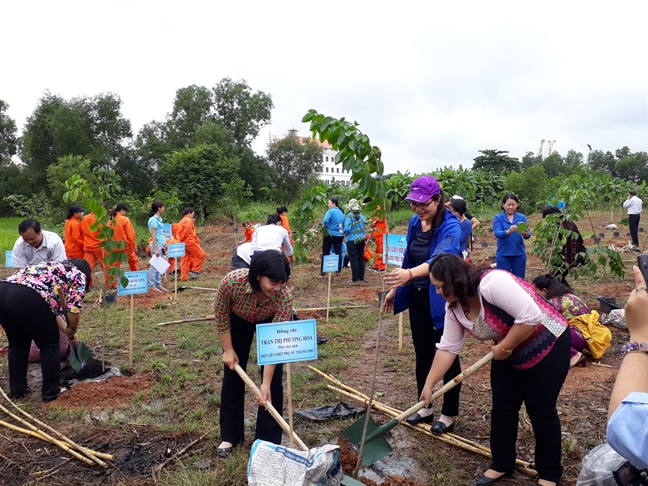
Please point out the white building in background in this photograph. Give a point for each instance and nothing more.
(330, 172)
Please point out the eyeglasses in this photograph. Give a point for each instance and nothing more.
(415, 205)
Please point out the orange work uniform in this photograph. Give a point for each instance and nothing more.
(73, 238)
(92, 252)
(249, 231)
(286, 226)
(124, 231)
(194, 255)
(379, 230)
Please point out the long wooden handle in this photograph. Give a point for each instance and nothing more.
(445, 388)
(280, 420)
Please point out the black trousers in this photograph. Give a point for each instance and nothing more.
(25, 316)
(633, 223)
(538, 387)
(335, 242)
(233, 391)
(355, 250)
(425, 337)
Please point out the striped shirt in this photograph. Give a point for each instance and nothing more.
(235, 294)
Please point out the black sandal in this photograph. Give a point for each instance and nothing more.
(51, 398)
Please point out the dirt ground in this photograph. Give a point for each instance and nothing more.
(137, 448)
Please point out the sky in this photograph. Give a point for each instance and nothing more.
(430, 82)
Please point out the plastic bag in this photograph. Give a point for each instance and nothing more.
(599, 466)
(274, 465)
(615, 318)
(326, 412)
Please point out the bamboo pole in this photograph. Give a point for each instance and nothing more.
(78, 447)
(328, 298)
(521, 466)
(362, 397)
(290, 411)
(130, 348)
(400, 333)
(51, 439)
(182, 321)
(306, 309)
(43, 436)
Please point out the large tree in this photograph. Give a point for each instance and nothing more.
(8, 139)
(496, 161)
(296, 162)
(199, 175)
(633, 167)
(240, 110)
(598, 160)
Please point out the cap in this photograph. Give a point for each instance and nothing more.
(423, 188)
(353, 205)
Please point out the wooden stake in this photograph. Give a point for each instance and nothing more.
(130, 352)
(400, 333)
(328, 298)
(290, 412)
(306, 309)
(175, 272)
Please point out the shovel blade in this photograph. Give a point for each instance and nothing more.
(374, 448)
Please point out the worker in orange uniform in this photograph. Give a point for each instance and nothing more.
(192, 262)
(282, 211)
(92, 252)
(72, 233)
(124, 231)
(248, 231)
(379, 229)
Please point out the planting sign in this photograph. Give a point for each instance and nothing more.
(137, 283)
(395, 246)
(286, 342)
(331, 263)
(168, 233)
(8, 259)
(176, 250)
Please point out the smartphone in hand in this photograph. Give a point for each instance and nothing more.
(642, 263)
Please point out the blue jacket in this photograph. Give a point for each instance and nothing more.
(513, 244)
(444, 240)
(354, 230)
(333, 218)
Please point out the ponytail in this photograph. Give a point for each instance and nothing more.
(155, 205)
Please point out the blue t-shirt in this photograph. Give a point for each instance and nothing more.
(333, 219)
(420, 252)
(626, 431)
(156, 222)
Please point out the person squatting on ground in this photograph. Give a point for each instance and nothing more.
(248, 231)
(531, 357)
(158, 243)
(586, 331)
(244, 299)
(272, 236)
(354, 231)
(35, 245)
(334, 223)
(634, 206)
(511, 252)
(123, 231)
(192, 262)
(72, 233)
(573, 253)
(432, 230)
(35, 303)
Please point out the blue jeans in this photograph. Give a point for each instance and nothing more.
(155, 277)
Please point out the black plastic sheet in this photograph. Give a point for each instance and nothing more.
(326, 412)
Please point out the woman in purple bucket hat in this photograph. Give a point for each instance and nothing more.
(433, 229)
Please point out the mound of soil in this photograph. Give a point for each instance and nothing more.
(108, 393)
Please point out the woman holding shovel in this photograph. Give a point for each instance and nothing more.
(432, 230)
(531, 357)
(35, 303)
(245, 298)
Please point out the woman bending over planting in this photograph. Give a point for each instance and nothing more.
(531, 348)
(245, 298)
(35, 303)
